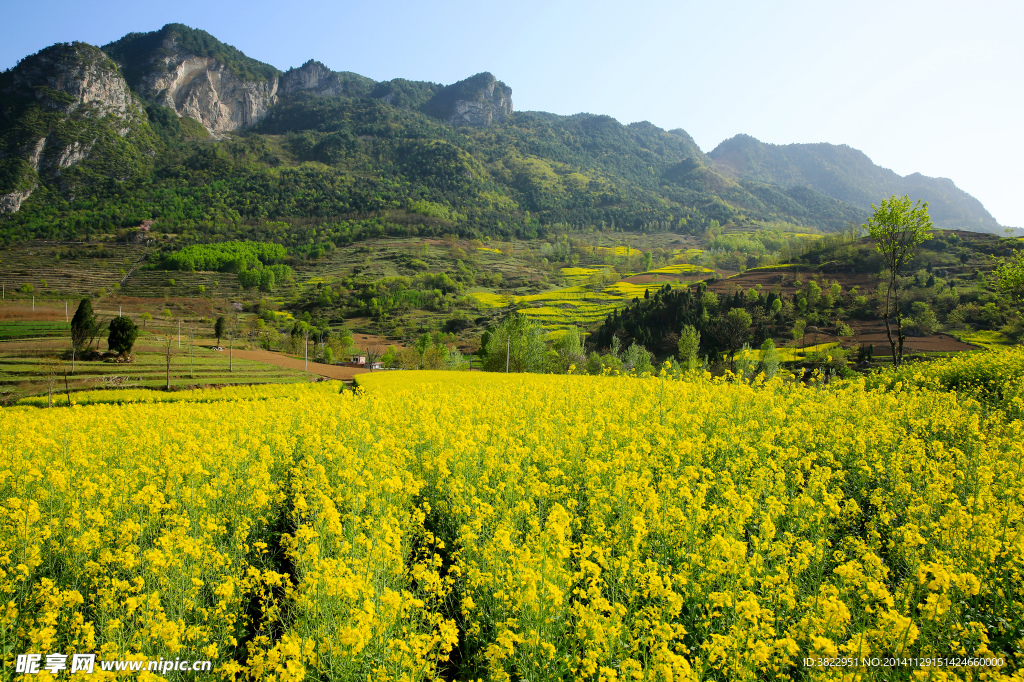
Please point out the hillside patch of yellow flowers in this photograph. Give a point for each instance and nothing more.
(520, 527)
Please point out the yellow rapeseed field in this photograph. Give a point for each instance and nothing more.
(522, 527)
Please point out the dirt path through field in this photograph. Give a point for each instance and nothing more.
(329, 371)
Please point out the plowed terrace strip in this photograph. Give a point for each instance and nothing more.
(320, 369)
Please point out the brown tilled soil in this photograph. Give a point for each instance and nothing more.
(371, 340)
(329, 371)
(781, 280)
(22, 312)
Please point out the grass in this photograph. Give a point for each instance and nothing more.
(987, 339)
(791, 353)
(678, 269)
(33, 330)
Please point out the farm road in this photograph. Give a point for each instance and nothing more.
(329, 371)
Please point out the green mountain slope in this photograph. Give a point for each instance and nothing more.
(69, 126)
(847, 174)
(223, 146)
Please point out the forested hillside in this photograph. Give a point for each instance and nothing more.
(311, 157)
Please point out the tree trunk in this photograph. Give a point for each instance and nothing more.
(889, 294)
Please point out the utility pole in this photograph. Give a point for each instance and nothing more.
(305, 358)
(179, 333)
(508, 351)
(33, 303)
(231, 350)
(191, 343)
(66, 311)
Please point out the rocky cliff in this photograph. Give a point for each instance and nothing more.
(60, 107)
(316, 79)
(197, 76)
(203, 89)
(480, 100)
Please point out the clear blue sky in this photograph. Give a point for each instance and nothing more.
(931, 87)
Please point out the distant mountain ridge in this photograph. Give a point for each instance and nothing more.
(137, 152)
(847, 174)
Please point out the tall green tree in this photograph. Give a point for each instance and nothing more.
(84, 325)
(897, 227)
(571, 353)
(219, 327)
(515, 345)
(123, 333)
(733, 330)
(689, 344)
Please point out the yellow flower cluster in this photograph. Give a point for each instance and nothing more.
(520, 527)
(199, 395)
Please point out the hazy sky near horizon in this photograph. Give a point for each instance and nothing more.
(933, 87)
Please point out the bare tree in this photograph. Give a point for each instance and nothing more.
(50, 368)
(168, 355)
(374, 351)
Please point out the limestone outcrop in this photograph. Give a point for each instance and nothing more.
(206, 90)
(80, 96)
(478, 101)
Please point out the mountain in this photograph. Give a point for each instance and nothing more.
(847, 174)
(178, 128)
(69, 122)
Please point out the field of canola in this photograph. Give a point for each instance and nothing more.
(524, 527)
(584, 304)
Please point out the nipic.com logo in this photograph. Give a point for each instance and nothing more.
(33, 664)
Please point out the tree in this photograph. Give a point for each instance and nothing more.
(146, 317)
(1010, 280)
(123, 333)
(689, 344)
(732, 331)
(897, 228)
(219, 328)
(515, 345)
(84, 325)
(572, 357)
(637, 359)
(770, 359)
(374, 352)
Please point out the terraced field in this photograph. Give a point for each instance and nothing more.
(590, 299)
(23, 375)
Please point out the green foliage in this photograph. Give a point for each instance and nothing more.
(924, 318)
(116, 149)
(84, 325)
(1010, 280)
(517, 345)
(224, 256)
(637, 359)
(219, 328)
(897, 228)
(769, 359)
(689, 344)
(571, 354)
(122, 335)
